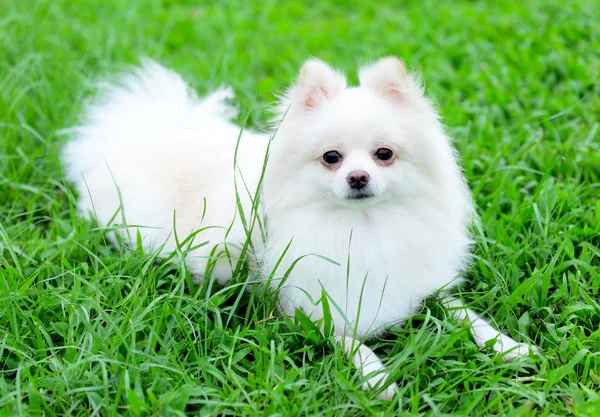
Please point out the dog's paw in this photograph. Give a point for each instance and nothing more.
(388, 393)
(522, 349)
(511, 349)
(197, 278)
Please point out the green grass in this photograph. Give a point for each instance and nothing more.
(86, 329)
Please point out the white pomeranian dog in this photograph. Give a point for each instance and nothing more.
(361, 211)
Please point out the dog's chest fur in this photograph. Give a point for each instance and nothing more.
(376, 265)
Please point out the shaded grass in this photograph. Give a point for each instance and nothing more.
(86, 329)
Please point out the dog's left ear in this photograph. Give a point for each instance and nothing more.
(389, 78)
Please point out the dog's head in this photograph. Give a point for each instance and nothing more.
(357, 146)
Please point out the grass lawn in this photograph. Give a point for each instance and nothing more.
(87, 329)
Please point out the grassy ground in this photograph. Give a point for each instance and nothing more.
(86, 329)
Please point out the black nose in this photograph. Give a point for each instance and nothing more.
(357, 179)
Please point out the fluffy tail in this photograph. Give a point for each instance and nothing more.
(146, 101)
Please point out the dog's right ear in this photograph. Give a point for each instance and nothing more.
(317, 83)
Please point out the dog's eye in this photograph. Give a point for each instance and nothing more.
(384, 154)
(332, 157)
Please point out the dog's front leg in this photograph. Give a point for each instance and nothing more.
(482, 331)
(370, 366)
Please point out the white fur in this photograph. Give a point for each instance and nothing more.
(151, 144)
(376, 258)
(370, 365)
(483, 332)
(410, 239)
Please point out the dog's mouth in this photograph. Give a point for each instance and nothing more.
(359, 195)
